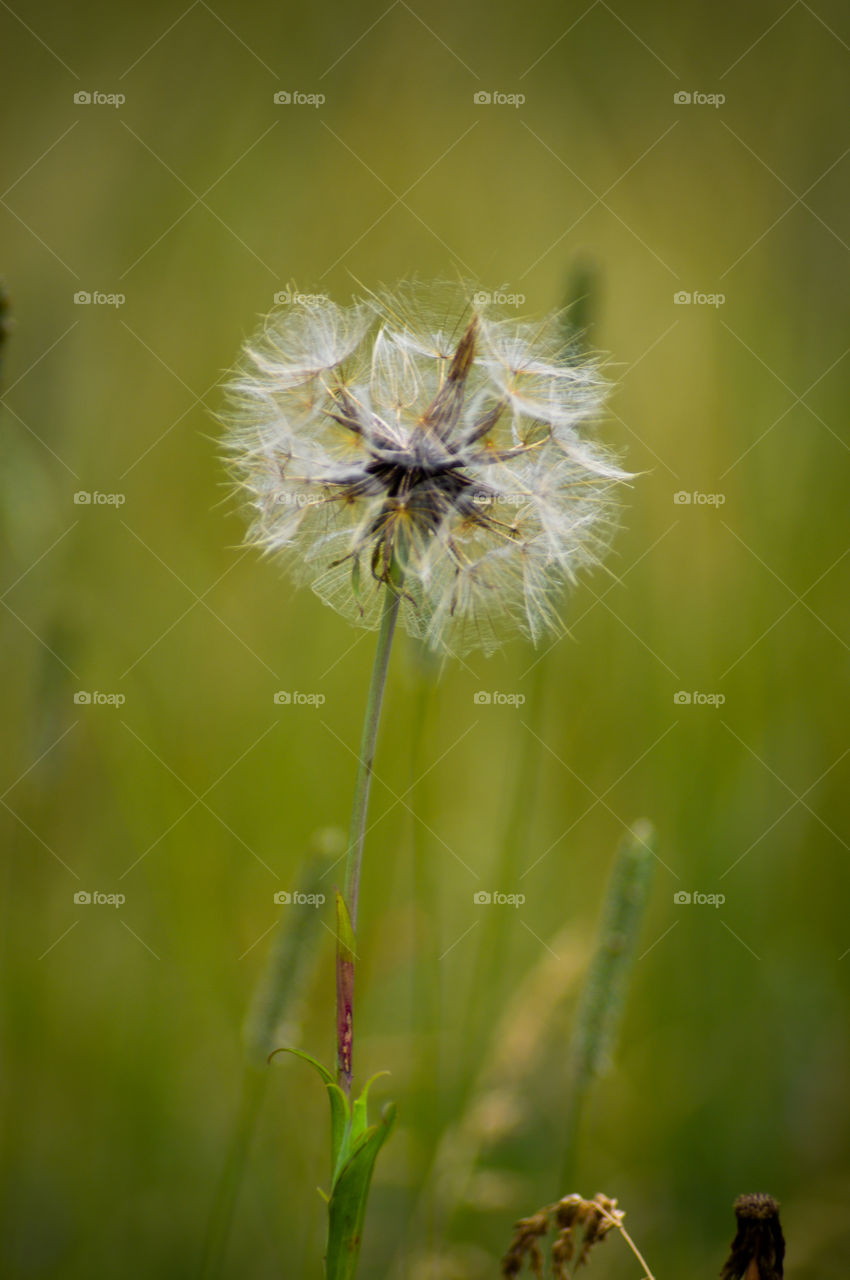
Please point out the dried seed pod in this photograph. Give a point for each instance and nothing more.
(758, 1250)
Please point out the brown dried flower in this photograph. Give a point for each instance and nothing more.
(758, 1250)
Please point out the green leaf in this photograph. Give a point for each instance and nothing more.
(340, 1108)
(359, 1121)
(347, 1210)
(354, 1149)
(356, 1126)
(340, 1125)
(308, 1057)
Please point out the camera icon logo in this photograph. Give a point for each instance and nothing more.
(283, 697)
(482, 898)
(481, 697)
(482, 97)
(682, 898)
(82, 498)
(682, 298)
(481, 298)
(283, 298)
(681, 98)
(82, 98)
(682, 698)
(82, 698)
(282, 898)
(82, 298)
(682, 498)
(282, 98)
(82, 898)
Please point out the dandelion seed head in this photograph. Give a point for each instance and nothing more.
(414, 437)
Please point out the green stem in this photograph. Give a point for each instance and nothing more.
(357, 832)
(426, 1100)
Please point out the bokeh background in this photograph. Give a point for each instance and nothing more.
(197, 199)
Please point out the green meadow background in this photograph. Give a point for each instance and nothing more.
(198, 198)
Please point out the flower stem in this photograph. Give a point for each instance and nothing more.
(359, 810)
(629, 1241)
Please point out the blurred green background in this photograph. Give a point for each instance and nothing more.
(198, 199)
